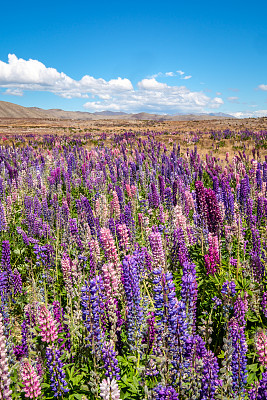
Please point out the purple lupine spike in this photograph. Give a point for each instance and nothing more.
(110, 361)
(56, 372)
(210, 379)
(16, 281)
(264, 304)
(237, 334)
(165, 392)
(155, 196)
(214, 218)
(201, 201)
(5, 261)
(131, 284)
(62, 327)
(161, 186)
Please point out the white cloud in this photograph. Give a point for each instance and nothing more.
(164, 74)
(187, 77)
(34, 75)
(233, 99)
(250, 114)
(14, 92)
(154, 96)
(262, 87)
(151, 95)
(151, 84)
(218, 93)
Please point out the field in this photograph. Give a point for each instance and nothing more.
(133, 260)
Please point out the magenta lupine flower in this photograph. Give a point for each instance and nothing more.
(261, 346)
(214, 217)
(30, 380)
(201, 201)
(128, 189)
(109, 245)
(122, 232)
(47, 325)
(212, 259)
(5, 392)
(133, 191)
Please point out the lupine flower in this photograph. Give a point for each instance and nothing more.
(111, 281)
(228, 289)
(116, 204)
(47, 325)
(214, 218)
(30, 380)
(189, 293)
(157, 248)
(264, 304)
(5, 261)
(109, 389)
(110, 361)
(239, 361)
(123, 236)
(132, 291)
(5, 392)
(261, 347)
(262, 389)
(16, 282)
(92, 301)
(56, 372)
(209, 376)
(165, 393)
(109, 245)
(62, 327)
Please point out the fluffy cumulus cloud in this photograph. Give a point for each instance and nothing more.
(18, 75)
(250, 114)
(154, 96)
(263, 87)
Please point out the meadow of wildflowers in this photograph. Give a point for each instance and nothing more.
(130, 271)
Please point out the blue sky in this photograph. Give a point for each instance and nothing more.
(163, 57)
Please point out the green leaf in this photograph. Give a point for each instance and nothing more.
(251, 377)
(253, 367)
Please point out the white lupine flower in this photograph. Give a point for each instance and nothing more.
(109, 390)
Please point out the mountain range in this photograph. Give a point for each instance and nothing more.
(11, 110)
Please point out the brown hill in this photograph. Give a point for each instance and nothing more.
(10, 110)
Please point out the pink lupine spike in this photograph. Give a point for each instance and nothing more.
(47, 325)
(261, 346)
(157, 248)
(133, 190)
(128, 189)
(111, 280)
(5, 392)
(30, 380)
(123, 236)
(109, 245)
